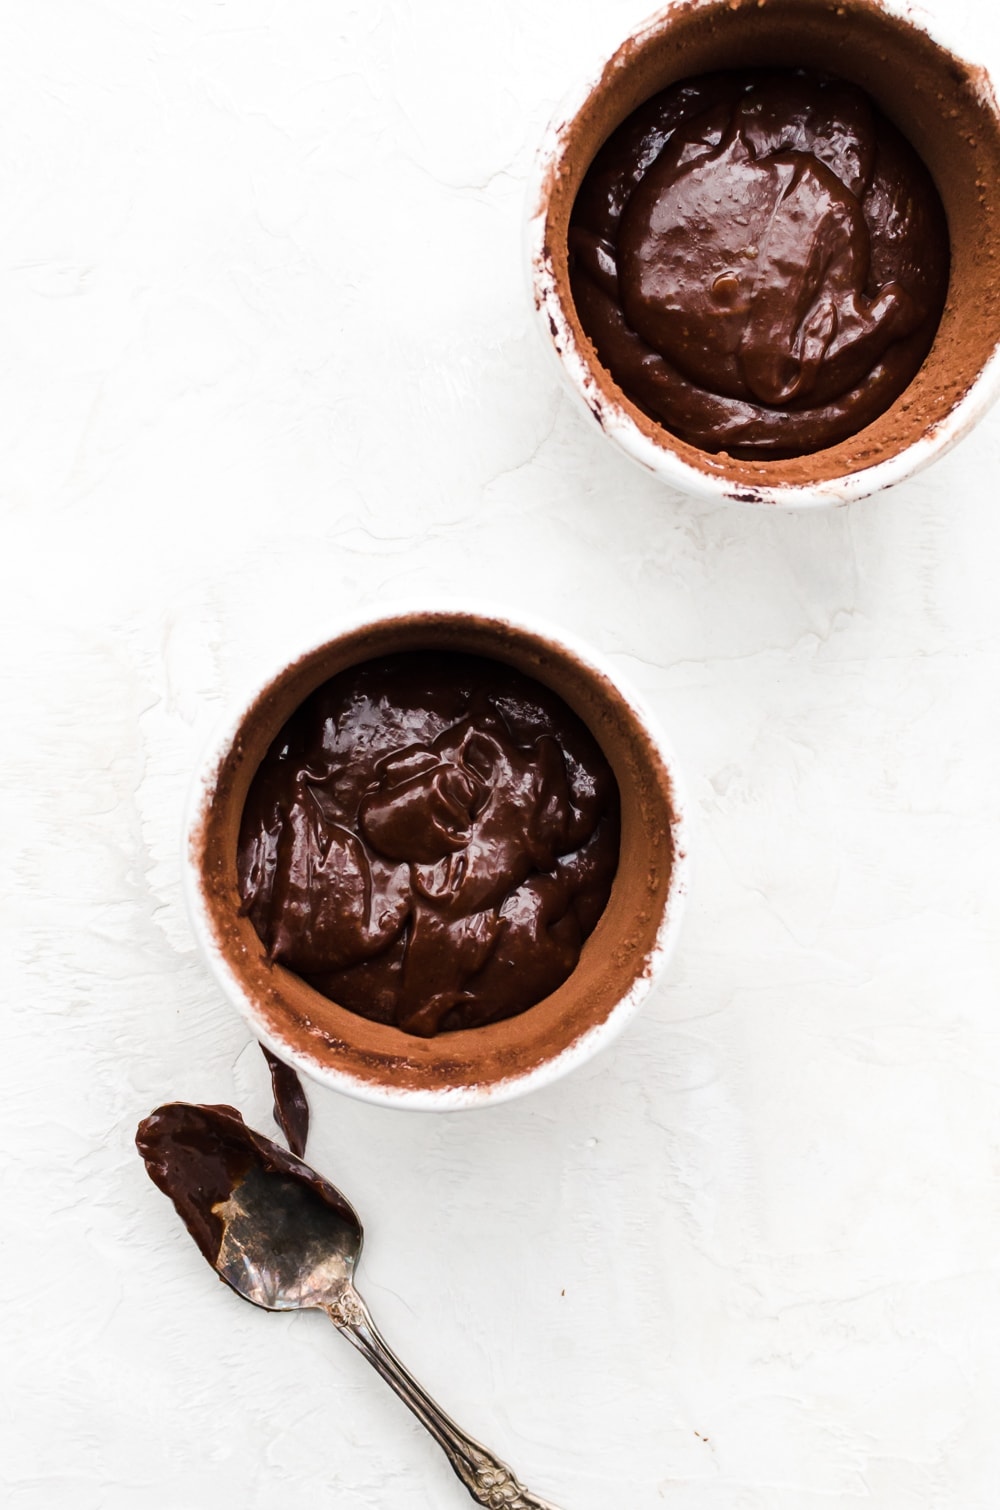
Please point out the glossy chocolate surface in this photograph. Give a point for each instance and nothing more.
(429, 841)
(761, 261)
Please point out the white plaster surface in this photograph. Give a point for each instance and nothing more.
(267, 359)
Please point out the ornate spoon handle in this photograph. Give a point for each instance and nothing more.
(490, 1482)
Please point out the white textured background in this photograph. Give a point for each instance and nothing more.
(266, 358)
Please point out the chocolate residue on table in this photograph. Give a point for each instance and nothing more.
(199, 1155)
(291, 1109)
(761, 261)
(429, 841)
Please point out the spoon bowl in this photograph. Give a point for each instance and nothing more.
(283, 1248)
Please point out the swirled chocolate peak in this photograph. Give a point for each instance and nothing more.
(760, 260)
(429, 841)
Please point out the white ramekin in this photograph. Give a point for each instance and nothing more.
(258, 990)
(944, 105)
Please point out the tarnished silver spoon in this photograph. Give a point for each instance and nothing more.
(286, 1239)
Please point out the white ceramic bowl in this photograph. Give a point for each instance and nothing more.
(947, 109)
(629, 946)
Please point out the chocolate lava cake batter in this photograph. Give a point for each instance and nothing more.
(429, 841)
(761, 261)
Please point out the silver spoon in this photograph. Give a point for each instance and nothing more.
(286, 1239)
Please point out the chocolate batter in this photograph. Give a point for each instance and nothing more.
(291, 1109)
(429, 841)
(199, 1155)
(761, 261)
